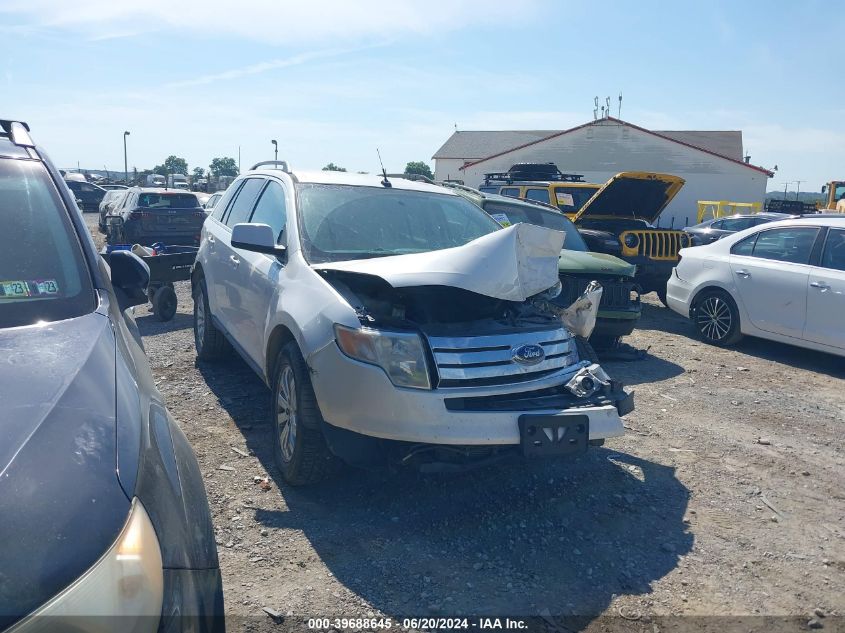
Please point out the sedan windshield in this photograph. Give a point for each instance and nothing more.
(43, 276)
(343, 222)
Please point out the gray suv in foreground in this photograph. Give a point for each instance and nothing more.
(396, 323)
(104, 523)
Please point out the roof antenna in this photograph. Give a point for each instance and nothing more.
(619, 112)
(385, 182)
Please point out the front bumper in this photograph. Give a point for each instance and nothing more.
(360, 398)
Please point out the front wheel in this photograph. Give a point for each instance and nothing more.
(299, 448)
(716, 318)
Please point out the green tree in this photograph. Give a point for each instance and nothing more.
(161, 170)
(199, 172)
(333, 167)
(176, 165)
(223, 167)
(419, 167)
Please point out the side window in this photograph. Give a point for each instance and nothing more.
(84, 186)
(833, 256)
(245, 200)
(271, 209)
(513, 192)
(792, 245)
(744, 247)
(736, 224)
(72, 185)
(224, 202)
(541, 195)
(718, 225)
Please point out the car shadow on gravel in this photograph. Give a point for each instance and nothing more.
(518, 539)
(150, 324)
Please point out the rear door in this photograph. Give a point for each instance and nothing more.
(258, 274)
(228, 292)
(826, 294)
(771, 271)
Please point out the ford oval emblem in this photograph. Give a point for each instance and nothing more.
(528, 354)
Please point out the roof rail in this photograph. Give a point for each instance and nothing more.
(18, 132)
(283, 163)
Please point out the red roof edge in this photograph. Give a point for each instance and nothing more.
(768, 173)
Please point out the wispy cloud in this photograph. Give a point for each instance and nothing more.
(269, 21)
(261, 67)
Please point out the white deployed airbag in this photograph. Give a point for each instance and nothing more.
(512, 264)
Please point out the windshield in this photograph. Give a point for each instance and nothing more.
(506, 214)
(571, 199)
(343, 222)
(167, 201)
(43, 276)
(840, 192)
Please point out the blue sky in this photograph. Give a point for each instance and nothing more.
(331, 80)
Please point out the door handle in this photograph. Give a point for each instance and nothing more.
(743, 273)
(820, 285)
(235, 261)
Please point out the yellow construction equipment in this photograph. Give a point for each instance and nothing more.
(708, 209)
(835, 200)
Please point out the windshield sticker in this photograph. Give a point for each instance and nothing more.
(501, 218)
(564, 199)
(32, 288)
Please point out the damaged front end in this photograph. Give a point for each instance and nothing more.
(475, 372)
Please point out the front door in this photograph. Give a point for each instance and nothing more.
(826, 294)
(771, 272)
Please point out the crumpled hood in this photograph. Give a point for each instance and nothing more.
(60, 500)
(580, 262)
(512, 264)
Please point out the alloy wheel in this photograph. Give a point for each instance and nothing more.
(714, 318)
(286, 414)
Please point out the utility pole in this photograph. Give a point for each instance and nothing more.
(798, 188)
(785, 185)
(125, 161)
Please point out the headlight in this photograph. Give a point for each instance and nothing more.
(399, 354)
(122, 591)
(631, 240)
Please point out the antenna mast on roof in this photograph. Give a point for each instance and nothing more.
(596, 109)
(385, 182)
(619, 111)
(607, 109)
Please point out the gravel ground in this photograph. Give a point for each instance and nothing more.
(725, 498)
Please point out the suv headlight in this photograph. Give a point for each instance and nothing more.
(122, 591)
(631, 240)
(399, 354)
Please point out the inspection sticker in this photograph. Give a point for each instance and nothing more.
(32, 288)
(501, 218)
(565, 199)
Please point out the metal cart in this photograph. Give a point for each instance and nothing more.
(169, 264)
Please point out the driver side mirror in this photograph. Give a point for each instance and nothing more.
(258, 238)
(130, 277)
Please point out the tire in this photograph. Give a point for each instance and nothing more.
(299, 449)
(716, 318)
(208, 340)
(165, 303)
(585, 350)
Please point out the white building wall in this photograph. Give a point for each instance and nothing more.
(602, 150)
(449, 168)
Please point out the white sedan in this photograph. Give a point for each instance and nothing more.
(783, 281)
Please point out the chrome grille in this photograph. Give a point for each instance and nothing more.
(488, 360)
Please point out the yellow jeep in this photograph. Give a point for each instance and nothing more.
(616, 217)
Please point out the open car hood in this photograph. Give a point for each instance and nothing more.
(633, 194)
(512, 264)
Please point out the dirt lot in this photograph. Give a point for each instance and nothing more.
(726, 497)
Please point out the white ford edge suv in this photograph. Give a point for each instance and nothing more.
(395, 322)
